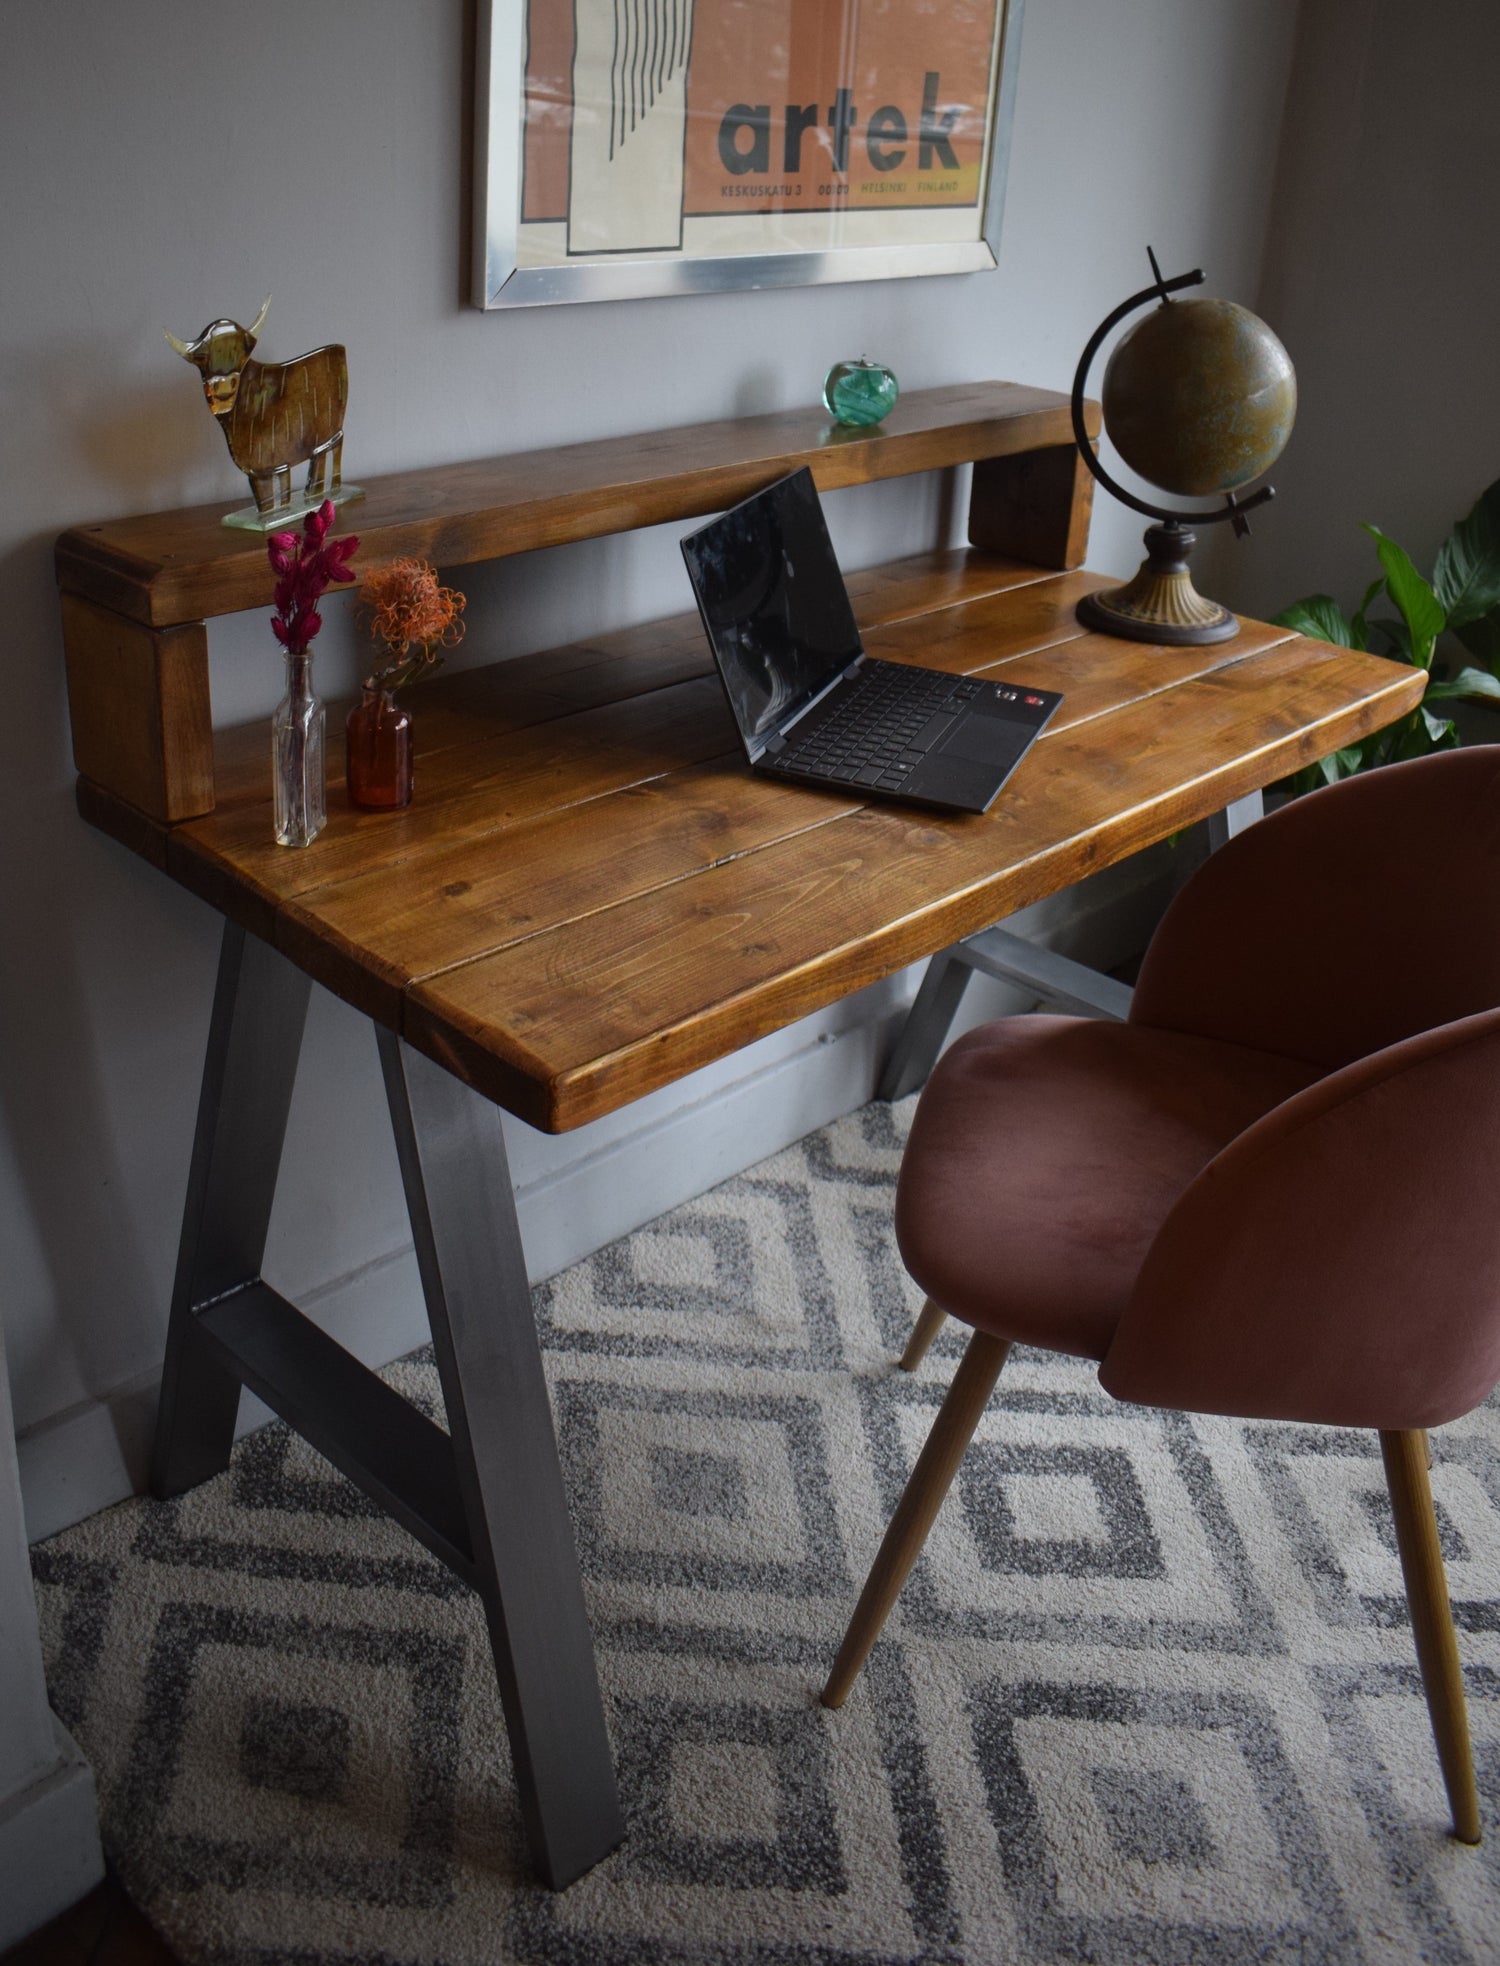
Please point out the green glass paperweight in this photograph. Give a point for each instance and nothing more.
(859, 393)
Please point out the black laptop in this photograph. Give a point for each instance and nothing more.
(809, 703)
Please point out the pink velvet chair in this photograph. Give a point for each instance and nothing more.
(1272, 1193)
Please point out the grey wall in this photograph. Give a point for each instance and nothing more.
(164, 162)
(1383, 279)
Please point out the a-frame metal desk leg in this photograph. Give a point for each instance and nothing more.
(254, 1039)
(463, 1217)
(487, 1497)
(1057, 980)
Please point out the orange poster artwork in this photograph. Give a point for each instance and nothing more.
(711, 128)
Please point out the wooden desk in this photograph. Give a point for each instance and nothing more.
(590, 897)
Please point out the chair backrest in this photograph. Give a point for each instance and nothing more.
(1344, 922)
(1340, 1260)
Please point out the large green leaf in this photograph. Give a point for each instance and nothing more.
(1329, 770)
(1398, 636)
(1467, 574)
(1468, 682)
(1359, 624)
(1307, 779)
(1408, 739)
(1319, 616)
(1418, 733)
(1442, 732)
(1420, 608)
(1482, 639)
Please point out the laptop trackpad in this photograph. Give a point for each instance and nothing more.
(985, 740)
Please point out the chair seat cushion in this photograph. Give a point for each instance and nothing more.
(1045, 1154)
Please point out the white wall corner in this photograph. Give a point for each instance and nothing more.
(49, 1821)
(50, 1854)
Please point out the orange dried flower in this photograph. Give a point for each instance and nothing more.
(414, 616)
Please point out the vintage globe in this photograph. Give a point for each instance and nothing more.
(1199, 397)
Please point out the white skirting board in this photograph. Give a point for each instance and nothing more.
(576, 1192)
(49, 1844)
(49, 1822)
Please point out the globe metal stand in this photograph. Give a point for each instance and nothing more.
(1161, 603)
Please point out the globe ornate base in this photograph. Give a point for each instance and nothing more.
(1161, 604)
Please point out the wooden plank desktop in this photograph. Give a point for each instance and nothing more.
(592, 895)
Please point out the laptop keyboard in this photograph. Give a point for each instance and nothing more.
(876, 730)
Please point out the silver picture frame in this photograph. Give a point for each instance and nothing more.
(501, 280)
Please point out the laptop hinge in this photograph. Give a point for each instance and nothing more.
(789, 724)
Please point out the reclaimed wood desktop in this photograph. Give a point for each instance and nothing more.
(590, 897)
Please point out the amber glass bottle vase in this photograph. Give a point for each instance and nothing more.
(378, 733)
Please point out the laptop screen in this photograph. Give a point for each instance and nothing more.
(773, 602)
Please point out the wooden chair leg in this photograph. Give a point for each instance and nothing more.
(1405, 1456)
(929, 1323)
(921, 1499)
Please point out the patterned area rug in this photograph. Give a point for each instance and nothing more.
(1150, 1697)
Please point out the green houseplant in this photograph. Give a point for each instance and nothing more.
(1462, 599)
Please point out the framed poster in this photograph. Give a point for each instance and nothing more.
(634, 147)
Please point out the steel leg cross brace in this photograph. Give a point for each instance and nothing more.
(1057, 980)
(1222, 826)
(487, 1497)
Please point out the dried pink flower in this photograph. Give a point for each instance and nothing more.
(306, 567)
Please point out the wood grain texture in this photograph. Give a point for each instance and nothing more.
(592, 896)
(1035, 505)
(463, 792)
(366, 939)
(926, 1488)
(1095, 673)
(979, 634)
(139, 706)
(930, 1321)
(123, 822)
(476, 707)
(566, 1027)
(185, 565)
(1406, 1460)
(407, 863)
(924, 583)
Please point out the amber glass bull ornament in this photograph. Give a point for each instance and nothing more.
(275, 415)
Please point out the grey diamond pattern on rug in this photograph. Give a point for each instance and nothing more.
(1149, 1698)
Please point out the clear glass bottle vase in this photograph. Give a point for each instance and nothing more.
(299, 790)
